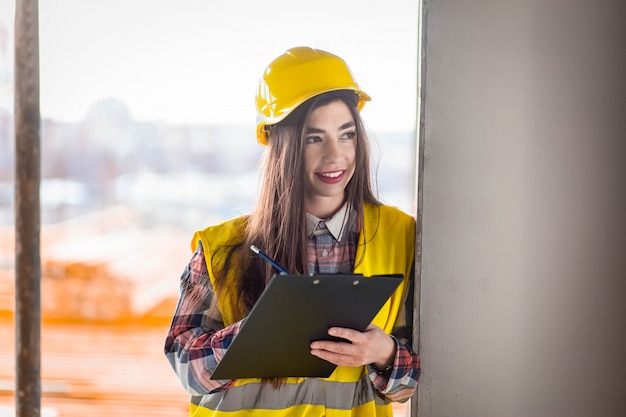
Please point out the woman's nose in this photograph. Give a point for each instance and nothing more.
(331, 149)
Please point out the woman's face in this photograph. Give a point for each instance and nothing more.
(329, 157)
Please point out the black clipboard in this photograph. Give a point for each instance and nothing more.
(293, 311)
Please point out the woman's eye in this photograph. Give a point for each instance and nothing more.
(313, 139)
(349, 135)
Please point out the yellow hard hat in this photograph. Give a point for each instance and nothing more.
(296, 76)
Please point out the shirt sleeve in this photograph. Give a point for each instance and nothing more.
(400, 383)
(197, 339)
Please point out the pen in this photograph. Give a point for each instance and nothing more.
(268, 259)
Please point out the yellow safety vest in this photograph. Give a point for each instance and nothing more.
(388, 239)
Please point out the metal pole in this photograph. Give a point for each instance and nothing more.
(27, 211)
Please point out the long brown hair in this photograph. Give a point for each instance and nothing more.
(277, 224)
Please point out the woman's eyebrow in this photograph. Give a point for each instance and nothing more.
(347, 125)
(344, 126)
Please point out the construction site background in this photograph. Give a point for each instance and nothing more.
(116, 227)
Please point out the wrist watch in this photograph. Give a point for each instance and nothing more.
(385, 372)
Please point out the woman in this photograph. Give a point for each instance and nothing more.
(316, 213)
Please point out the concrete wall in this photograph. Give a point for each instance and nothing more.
(522, 203)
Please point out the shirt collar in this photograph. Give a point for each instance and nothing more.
(336, 224)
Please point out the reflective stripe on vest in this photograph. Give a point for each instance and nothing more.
(309, 392)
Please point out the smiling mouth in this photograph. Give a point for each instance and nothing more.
(332, 177)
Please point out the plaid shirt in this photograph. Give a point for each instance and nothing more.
(197, 338)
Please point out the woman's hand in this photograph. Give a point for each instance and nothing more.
(372, 346)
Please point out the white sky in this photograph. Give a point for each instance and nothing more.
(199, 61)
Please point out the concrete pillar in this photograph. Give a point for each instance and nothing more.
(522, 207)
